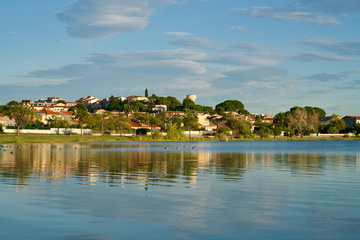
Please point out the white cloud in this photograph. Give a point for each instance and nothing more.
(339, 77)
(317, 56)
(237, 28)
(333, 6)
(283, 14)
(339, 47)
(32, 83)
(198, 43)
(95, 19)
(177, 34)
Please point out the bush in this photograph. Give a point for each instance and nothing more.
(157, 135)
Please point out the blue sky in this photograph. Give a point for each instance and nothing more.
(271, 56)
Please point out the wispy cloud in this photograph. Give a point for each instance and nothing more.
(339, 77)
(93, 19)
(177, 34)
(332, 6)
(237, 28)
(32, 83)
(320, 57)
(339, 47)
(197, 43)
(287, 15)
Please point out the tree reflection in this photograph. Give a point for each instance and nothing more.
(144, 164)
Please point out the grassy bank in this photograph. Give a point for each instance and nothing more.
(32, 138)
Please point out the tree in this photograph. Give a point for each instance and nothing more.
(146, 93)
(321, 112)
(336, 124)
(280, 120)
(303, 120)
(104, 116)
(239, 126)
(120, 122)
(22, 114)
(190, 119)
(230, 106)
(81, 114)
(57, 122)
(113, 104)
(149, 119)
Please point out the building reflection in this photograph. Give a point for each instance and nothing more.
(140, 164)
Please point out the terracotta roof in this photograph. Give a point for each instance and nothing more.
(356, 117)
(134, 124)
(172, 112)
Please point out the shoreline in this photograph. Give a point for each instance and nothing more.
(32, 138)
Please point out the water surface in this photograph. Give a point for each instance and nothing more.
(191, 190)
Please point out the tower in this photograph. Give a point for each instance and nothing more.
(191, 96)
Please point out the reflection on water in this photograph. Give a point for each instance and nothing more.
(217, 191)
(91, 163)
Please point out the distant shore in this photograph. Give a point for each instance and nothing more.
(27, 138)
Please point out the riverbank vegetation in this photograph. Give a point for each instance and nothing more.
(40, 138)
(229, 120)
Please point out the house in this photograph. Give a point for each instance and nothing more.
(45, 114)
(135, 124)
(267, 118)
(90, 102)
(6, 121)
(325, 120)
(159, 108)
(134, 98)
(351, 120)
(106, 101)
(174, 114)
(100, 111)
(54, 100)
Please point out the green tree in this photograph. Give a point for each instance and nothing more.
(149, 119)
(239, 126)
(81, 114)
(337, 123)
(321, 112)
(190, 120)
(120, 122)
(113, 104)
(22, 114)
(303, 120)
(280, 120)
(146, 93)
(57, 122)
(229, 106)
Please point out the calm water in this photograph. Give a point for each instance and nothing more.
(219, 190)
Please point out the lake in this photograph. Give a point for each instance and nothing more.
(181, 190)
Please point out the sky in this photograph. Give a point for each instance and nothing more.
(270, 55)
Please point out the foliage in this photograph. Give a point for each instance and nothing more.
(22, 114)
(81, 114)
(303, 120)
(280, 119)
(229, 106)
(239, 126)
(173, 131)
(149, 119)
(335, 126)
(225, 130)
(57, 122)
(190, 119)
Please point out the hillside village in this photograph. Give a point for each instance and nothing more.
(133, 109)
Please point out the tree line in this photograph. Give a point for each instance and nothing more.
(298, 121)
